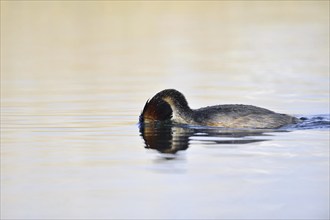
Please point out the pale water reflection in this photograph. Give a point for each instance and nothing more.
(75, 76)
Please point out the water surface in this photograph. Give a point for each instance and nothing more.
(75, 77)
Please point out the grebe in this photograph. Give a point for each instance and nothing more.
(171, 104)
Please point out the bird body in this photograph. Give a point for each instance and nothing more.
(170, 104)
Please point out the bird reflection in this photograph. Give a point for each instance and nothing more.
(167, 137)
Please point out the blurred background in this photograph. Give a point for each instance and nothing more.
(258, 52)
(75, 76)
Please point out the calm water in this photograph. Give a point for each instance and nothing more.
(75, 77)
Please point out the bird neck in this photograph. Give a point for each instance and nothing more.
(182, 113)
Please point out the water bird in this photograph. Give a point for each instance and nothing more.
(171, 105)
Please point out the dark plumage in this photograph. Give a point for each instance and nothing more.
(171, 104)
(156, 110)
